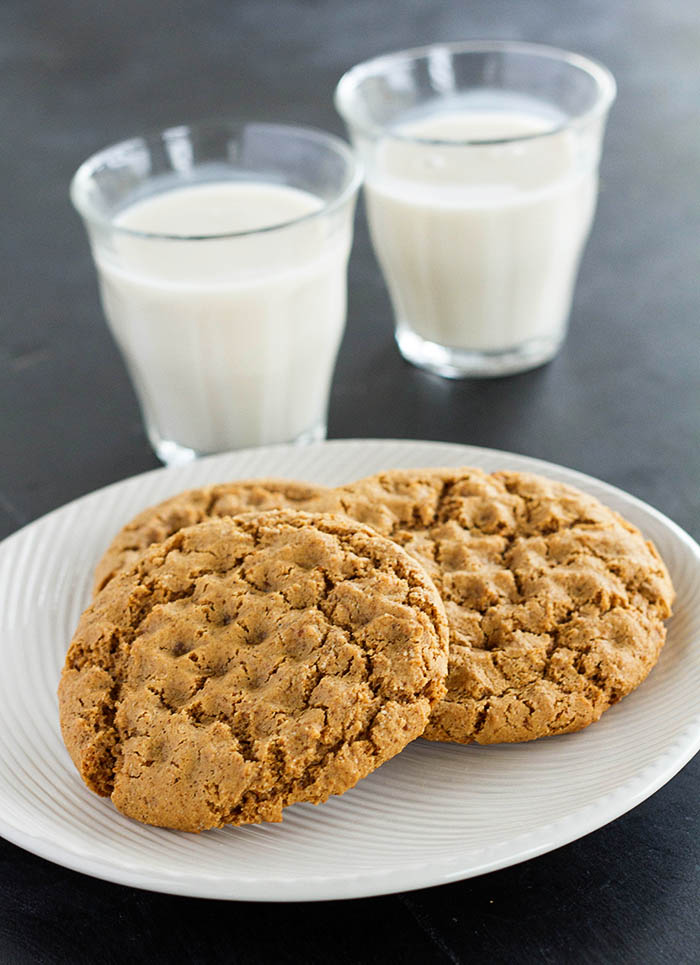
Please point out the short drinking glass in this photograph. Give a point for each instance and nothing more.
(481, 177)
(221, 252)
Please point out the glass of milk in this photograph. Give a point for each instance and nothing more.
(221, 252)
(481, 177)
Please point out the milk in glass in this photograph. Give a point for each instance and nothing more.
(231, 340)
(480, 242)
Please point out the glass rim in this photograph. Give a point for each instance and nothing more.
(90, 165)
(352, 78)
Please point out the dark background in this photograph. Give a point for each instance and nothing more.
(622, 402)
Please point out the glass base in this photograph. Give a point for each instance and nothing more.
(173, 454)
(457, 363)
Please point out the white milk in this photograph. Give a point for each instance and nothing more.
(230, 341)
(480, 244)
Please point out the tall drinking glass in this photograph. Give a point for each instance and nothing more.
(221, 252)
(481, 178)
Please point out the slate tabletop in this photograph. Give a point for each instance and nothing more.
(621, 402)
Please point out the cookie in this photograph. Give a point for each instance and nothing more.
(156, 523)
(248, 663)
(555, 603)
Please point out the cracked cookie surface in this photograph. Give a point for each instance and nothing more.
(245, 664)
(157, 523)
(555, 603)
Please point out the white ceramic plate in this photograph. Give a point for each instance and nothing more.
(435, 813)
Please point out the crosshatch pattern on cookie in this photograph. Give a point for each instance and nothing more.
(555, 603)
(245, 664)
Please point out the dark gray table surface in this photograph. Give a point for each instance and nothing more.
(621, 402)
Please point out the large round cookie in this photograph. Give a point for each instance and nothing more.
(156, 523)
(245, 664)
(555, 603)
